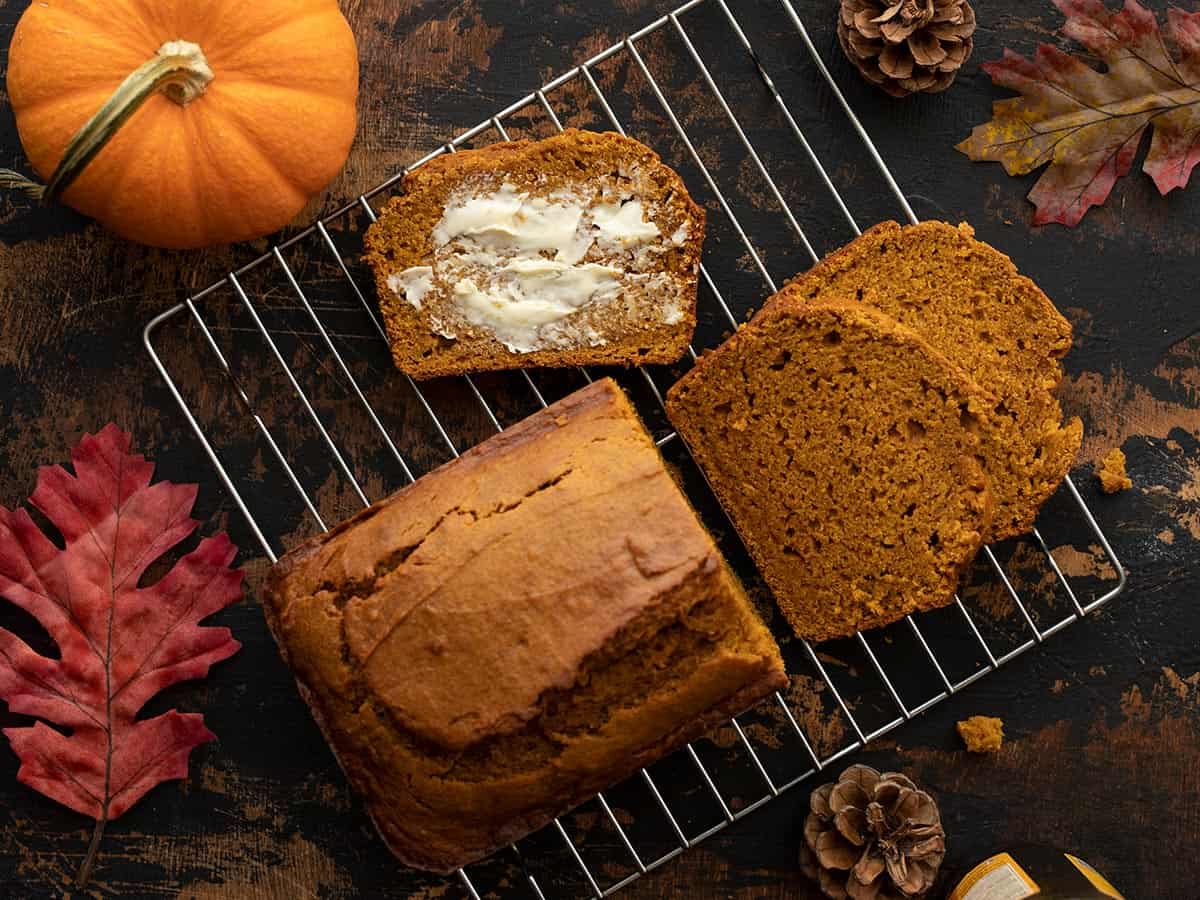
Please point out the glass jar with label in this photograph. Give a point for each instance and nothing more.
(1031, 871)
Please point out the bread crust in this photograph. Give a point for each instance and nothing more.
(468, 717)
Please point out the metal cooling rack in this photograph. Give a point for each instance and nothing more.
(197, 315)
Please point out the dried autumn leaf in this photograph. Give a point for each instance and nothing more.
(121, 643)
(1087, 124)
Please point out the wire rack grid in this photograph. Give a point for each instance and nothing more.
(197, 310)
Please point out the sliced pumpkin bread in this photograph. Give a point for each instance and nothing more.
(580, 249)
(969, 302)
(845, 450)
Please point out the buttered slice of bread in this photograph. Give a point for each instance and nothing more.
(846, 451)
(582, 249)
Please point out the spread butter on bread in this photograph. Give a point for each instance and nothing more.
(580, 249)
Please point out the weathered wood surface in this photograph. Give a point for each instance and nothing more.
(1103, 722)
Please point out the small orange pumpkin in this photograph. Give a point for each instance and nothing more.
(184, 123)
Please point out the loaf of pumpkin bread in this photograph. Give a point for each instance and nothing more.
(580, 249)
(846, 451)
(517, 630)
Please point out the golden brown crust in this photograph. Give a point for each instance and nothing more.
(517, 630)
(970, 303)
(403, 237)
(844, 449)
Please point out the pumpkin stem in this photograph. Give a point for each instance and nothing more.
(178, 70)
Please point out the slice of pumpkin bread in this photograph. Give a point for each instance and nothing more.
(844, 449)
(580, 249)
(969, 302)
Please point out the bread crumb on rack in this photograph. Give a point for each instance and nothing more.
(1112, 474)
(982, 734)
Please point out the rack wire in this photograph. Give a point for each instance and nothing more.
(976, 640)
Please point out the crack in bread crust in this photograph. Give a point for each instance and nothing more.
(521, 693)
(611, 678)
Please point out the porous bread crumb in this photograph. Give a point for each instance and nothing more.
(982, 734)
(970, 303)
(1112, 474)
(844, 449)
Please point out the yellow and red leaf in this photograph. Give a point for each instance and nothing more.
(1085, 125)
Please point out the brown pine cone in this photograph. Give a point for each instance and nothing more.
(907, 45)
(872, 837)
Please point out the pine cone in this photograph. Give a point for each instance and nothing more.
(872, 837)
(906, 46)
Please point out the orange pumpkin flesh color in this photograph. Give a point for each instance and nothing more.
(238, 160)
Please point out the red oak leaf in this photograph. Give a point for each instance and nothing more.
(121, 643)
(1088, 125)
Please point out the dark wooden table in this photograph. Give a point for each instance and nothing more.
(1103, 722)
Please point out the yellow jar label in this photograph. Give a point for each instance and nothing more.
(997, 878)
(1099, 882)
